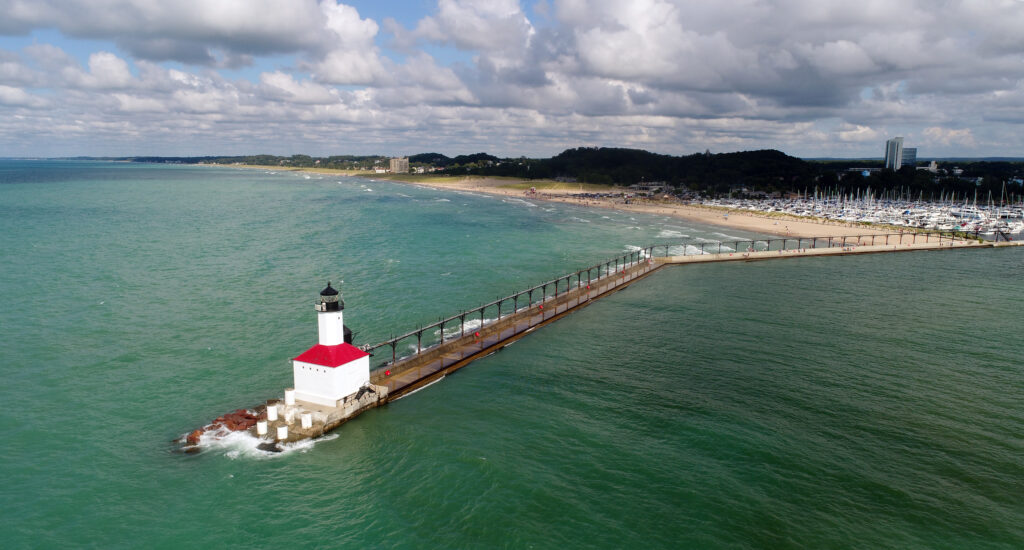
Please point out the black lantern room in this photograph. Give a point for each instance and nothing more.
(330, 299)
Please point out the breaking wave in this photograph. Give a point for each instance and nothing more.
(243, 445)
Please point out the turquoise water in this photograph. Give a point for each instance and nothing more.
(854, 402)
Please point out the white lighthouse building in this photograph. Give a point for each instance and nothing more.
(333, 369)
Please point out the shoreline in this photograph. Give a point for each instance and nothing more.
(782, 226)
(725, 218)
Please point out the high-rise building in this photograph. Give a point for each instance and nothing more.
(894, 153)
(400, 165)
(909, 157)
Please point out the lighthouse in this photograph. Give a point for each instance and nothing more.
(333, 369)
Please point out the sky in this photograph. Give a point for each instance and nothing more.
(812, 78)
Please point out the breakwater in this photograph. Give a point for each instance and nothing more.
(437, 349)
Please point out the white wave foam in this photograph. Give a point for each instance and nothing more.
(442, 200)
(421, 388)
(236, 445)
(480, 195)
(452, 329)
(521, 201)
(670, 234)
(575, 219)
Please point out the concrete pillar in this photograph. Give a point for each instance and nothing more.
(289, 396)
(261, 427)
(271, 412)
(307, 420)
(282, 433)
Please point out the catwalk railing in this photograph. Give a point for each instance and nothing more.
(471, 322)
(471, 331)
(704, 246)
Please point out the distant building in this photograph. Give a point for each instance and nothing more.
(400, 165)
(909, 157)
(894, 154)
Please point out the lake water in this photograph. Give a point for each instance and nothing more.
(851, 402)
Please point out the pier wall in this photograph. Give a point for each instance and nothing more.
(410, 373)
(402, 375)
(850, 249)
(395, 377)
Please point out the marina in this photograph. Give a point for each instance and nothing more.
(987, 220)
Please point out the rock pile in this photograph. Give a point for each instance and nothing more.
(241, 419)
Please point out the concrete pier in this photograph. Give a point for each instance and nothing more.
(411, 373)
(306, 420)
(848, 250)
(408, 374)
(294, 420)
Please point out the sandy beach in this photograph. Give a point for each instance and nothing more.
(781, 225)
(785, 226)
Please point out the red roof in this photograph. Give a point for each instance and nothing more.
(331, 356)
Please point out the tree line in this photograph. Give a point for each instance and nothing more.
(762, 171)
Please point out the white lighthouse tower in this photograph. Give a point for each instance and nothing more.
(333, 369)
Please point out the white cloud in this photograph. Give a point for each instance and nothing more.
(858, 133)
(185, 30)
(282, 87)
(494, 26)
(109, 71)
(948, 136)
(808, 76)
(137, 104)
(352, 57)
(19, 98)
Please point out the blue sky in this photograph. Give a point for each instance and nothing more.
(808, 77)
